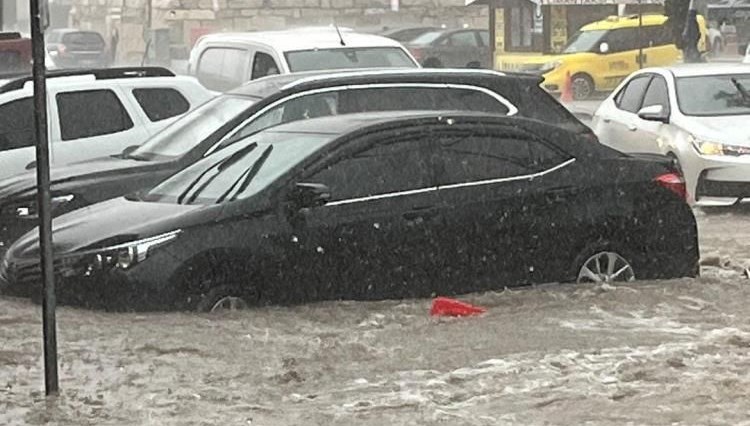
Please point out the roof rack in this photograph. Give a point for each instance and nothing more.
(99, 74)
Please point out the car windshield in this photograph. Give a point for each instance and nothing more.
(584, 41)
(348, 58)
(427, 37)
(714, 95)
(238, 171)
(191, 129)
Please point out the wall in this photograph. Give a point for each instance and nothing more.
(186, 17)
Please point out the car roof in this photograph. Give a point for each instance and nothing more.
(268, 85)
(696, 70)
(303, 39)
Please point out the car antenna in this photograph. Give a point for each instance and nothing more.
(338, 31)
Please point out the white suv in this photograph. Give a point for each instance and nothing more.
(92, 113)
(224, 61)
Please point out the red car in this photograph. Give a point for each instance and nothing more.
(15, 53)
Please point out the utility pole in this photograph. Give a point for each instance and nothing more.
(640, 35)
(38, 25)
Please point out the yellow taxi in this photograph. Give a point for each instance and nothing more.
(601, 54)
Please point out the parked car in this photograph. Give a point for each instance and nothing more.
(458, 48)
(696, 114)
(226, 60)
(91, 113)
(601, 54)
(72, 48)
(747, 55)
(374, 206)
(266, 102)
(407, 34)
(15, 54)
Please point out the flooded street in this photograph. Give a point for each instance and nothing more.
(647, 353)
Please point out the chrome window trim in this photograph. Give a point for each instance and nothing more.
(394, 71)
(452, 186)
(512, 109)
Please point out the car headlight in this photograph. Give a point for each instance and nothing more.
(28, 209)
(121, 256)
(550, 66)
(706, 147)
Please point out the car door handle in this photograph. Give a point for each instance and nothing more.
(632, 127)
(560, 194)
(420, 213)
(607, 120)
(31, 165)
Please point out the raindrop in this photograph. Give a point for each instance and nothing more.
(295, 239)
(376, 225)
(320, 249)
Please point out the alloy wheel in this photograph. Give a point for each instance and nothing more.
(228, 303)
(605, 267)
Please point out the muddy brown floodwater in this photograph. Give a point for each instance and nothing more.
(672, 352)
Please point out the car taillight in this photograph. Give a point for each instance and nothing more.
(673, 182)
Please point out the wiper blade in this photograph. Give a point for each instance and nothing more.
(247, 176)
(221, 165)
(741, 89)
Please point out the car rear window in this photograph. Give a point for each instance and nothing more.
(84, 38)
(348, 58)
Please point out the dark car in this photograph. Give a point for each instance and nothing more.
(463, 48)
(373, 206)
(71, 48)
(265, 102)
(405, 35)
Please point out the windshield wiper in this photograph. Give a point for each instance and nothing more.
(221, 165)
(741, 89)
(246, 177)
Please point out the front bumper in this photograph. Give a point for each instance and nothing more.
(725, 177)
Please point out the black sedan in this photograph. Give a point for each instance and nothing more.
(373, 206)
(266, 102)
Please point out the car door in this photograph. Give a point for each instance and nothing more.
(93, 123)
(375, 237)
(617, 123)
(622, 56)
(658, 46)
(648, 134)
(484, 183)
(459, 49)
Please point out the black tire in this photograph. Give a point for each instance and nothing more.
(432, 63)
(582, 86)
(597, 248)
(206, 281)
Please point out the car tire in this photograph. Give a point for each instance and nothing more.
(207, 283)
(432, 63)
(582, 86)
(603, 262)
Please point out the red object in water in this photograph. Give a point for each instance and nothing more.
(444, 306)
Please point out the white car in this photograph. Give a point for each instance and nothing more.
(224, 61)
(698, 114)
(747, 54)
(92, 113)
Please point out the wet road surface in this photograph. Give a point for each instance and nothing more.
(648, 353)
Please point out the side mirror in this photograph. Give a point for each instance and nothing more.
(128, 150)
(654, 113)
(307, 195)
(604, 47)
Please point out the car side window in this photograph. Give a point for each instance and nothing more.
(657, 93)
(622, 40)
(385, 168)
(17, 124)
(302, 108)
(161, 103)
(631, 96)
(91, 113)
(474, 158)
(463, 39)
(484, 36)
(263, 65)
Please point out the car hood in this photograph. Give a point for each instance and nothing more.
(113, 222)
(92, 169)
(723, 129)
